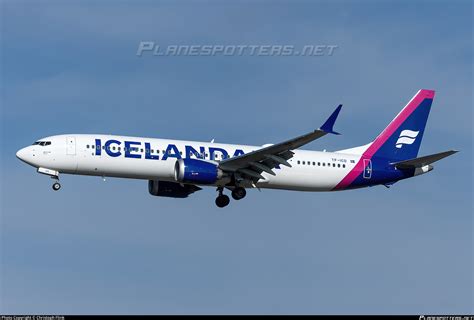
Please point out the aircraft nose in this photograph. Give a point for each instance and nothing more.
(26, 155)
(21, 154)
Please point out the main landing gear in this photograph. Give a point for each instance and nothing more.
(222, 200)
(239, 193)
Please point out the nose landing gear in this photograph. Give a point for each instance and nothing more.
(53, 174)
(56, 186)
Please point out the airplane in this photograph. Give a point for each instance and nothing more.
(176, 168)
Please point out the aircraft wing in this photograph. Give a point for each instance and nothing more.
(422, 161)
(252, 164)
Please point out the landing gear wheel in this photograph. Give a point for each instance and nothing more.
(56, 186)
(239, 193)
(222, 201)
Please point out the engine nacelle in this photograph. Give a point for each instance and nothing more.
(170, 189)
(197, 171)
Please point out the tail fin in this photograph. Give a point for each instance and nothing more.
(401, 139)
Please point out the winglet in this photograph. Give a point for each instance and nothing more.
(329, 124)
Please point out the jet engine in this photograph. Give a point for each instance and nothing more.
(197, 171)
(170, 189)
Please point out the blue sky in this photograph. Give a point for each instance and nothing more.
(110, 247)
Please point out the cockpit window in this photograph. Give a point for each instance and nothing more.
(42, 143)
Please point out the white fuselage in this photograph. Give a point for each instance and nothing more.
(155, 159)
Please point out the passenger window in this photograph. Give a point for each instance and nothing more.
(338, 165)
(324, 164)
(343, 165)
(314, 163)
(93, 146)
(298, 162)
(333, 165)
(319, 164)
(87, 146)
(304, 162)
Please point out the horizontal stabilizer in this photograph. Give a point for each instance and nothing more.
(422, 161)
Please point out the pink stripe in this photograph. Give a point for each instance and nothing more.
(386, 133)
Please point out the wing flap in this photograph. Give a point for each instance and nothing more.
(262, 167)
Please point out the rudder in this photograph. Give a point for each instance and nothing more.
(401, 139)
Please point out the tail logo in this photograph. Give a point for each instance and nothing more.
(406, 137)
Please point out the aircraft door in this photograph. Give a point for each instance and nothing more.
(367, 168)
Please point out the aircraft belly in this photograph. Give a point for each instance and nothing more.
(313, 179)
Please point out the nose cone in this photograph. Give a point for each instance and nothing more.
(21, 154)
(25, 155)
